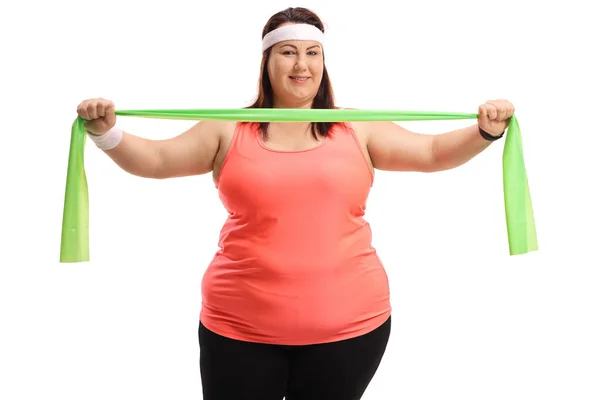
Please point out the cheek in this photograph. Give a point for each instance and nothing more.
(272, 70)
(316, 68)
(279, 71)
(275, 76)
(317, 72)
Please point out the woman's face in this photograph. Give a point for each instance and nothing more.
(295, 71)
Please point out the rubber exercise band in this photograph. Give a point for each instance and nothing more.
(520, 223)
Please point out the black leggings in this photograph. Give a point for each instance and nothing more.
(236, 370)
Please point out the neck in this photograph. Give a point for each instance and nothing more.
(292, 128)
(292, 104)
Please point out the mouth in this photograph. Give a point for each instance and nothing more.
(299, 78)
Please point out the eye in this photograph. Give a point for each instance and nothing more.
(288, 52)
(313, 53)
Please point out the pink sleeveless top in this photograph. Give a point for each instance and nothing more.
(295, 265)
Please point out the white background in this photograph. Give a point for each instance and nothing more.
(470, 321)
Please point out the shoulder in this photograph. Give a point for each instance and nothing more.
(362, 129)
(227, 131)
(211, 128)
(222, 130)
(221, 127)
(227, 128)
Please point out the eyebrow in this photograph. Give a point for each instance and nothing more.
(291, 45)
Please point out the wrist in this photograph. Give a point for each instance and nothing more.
(108, 140)
(488, 136)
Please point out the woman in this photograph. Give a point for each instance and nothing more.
(296, 301)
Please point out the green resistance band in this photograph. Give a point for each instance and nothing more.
(520, 224)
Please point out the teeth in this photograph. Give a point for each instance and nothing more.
(299, 79)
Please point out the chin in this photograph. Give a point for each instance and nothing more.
(296, 94)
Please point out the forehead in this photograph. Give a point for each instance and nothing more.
(299, 44)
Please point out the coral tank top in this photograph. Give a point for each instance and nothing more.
(295, 263)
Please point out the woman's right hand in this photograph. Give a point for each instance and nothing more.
(99, 113)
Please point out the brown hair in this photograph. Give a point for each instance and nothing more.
(324, 97)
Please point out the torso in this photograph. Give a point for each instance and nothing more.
(295, 263)
(278, 143)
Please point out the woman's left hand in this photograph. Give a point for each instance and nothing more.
(494, 116)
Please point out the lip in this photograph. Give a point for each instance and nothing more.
(304, 79)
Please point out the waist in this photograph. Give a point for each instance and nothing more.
(249, 300)
(285, 241)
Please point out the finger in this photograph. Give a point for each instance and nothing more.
(92, 110)
(502, 112)
(510, 110)
(101, 109)
(491, 111)
(507, 109)
(110, 108)
(483, 111)
(82, 110)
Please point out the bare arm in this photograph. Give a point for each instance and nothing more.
(190, 153)
(394, 148)
(455, 148)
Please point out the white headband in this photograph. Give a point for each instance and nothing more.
(293, 32)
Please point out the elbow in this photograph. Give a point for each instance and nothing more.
(153, 169)
(440, 164)
(438, 161)
(157, 170)
(148, 173)
(433, 163)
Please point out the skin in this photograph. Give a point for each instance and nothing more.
(202, 148)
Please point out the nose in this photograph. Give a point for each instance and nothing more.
(300, 64)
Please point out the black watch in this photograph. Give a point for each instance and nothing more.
(489, 137)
